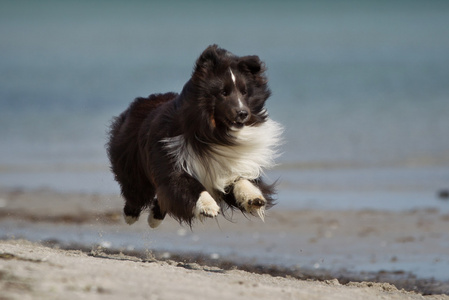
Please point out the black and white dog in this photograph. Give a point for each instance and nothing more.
(191, 154)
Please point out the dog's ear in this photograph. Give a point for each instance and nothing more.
(251, 64)
(207, 60)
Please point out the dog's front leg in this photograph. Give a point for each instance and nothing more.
(250, 198)
(205, 206)
(185, 198)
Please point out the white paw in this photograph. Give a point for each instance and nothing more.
(206, 206)
(250, 198)
(130, 219)
(152, 221)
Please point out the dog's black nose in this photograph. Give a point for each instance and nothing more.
(242, 116)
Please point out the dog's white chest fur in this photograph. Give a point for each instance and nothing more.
(255, 150)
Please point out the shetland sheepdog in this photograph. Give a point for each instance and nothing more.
(194, 154)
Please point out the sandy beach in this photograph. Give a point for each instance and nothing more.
(39, 262)
(33, 271)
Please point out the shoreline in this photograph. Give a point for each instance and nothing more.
(401, 280)
(394, 248)
(36, 271)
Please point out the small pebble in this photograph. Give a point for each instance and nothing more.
(443, 194)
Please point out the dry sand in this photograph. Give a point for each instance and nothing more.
(30, 270)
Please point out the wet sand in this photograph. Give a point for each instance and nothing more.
(58, 245)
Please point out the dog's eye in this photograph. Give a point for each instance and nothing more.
(244, 92)
(224, 93)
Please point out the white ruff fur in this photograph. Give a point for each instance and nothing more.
(255, 150)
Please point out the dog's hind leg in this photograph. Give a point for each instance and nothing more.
(131, 214)
(136, 199)
(156, 215)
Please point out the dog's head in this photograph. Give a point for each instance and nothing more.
(231, 89)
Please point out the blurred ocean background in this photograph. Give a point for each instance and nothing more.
(362, 88)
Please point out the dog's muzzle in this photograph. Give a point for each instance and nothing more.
(241, 117)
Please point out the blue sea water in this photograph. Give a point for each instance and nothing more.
(361, 87)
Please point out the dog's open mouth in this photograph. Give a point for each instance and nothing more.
(237, 125)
